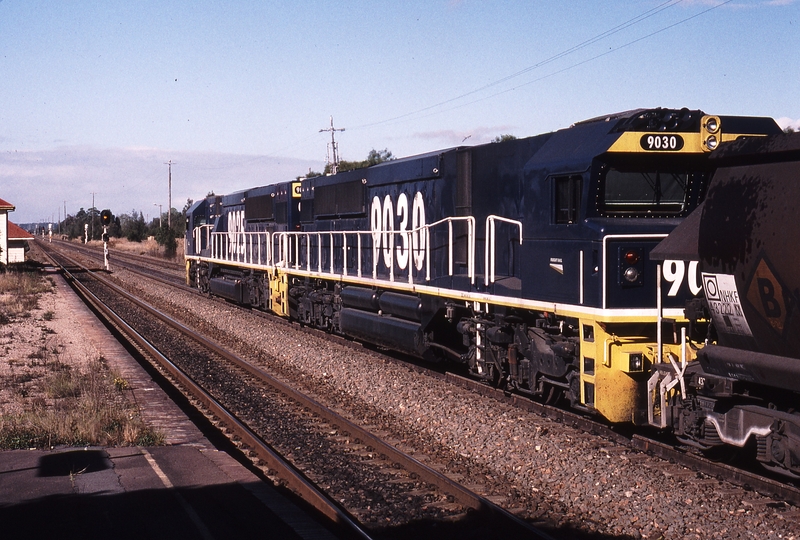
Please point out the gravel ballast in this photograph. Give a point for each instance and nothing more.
(570, 481)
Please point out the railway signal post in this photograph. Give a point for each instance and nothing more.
(105, 219)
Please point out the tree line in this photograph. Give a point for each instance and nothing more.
(132, 226)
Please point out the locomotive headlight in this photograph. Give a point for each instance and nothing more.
(710, 132)
(631, 266)
(631, 274)
(635, 362)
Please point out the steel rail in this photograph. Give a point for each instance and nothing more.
(294, 478)
(761, 484)
(745, 479)
(140, 261)
(460, 493)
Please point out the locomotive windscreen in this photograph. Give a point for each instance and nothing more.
(644, 192)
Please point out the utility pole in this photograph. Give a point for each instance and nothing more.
(159, 215)
(169, 200)
(333, 147)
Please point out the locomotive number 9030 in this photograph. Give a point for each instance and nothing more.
(661, 142)
(399, 232)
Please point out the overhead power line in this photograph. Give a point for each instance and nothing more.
(436, 108)
(627, 24)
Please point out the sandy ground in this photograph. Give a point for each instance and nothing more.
(29, 347)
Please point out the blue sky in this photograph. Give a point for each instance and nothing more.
(96, 96)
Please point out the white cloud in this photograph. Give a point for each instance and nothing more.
(478, 135)
(785, 122)
(41, 183)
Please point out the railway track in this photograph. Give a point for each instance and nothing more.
(365, 476)
(169, 273)
(780, 488)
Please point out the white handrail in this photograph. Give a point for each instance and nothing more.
(276, 249)
(202, 237)
(489, 246)
(245, 247)
(470, 244)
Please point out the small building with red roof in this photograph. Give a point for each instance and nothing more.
(17, 243)
(13, 239)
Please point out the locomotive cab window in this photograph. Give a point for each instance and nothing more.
(643, 193)
(567, 199)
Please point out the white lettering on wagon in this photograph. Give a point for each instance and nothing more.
(724, 304)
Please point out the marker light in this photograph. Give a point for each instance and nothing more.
(631, 257)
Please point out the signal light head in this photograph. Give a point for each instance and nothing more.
(631, 266)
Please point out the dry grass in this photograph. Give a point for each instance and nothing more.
(48, 396)
(86, 407)
(147, 247)
(19, 293)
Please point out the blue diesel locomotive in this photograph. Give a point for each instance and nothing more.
(527, 260)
